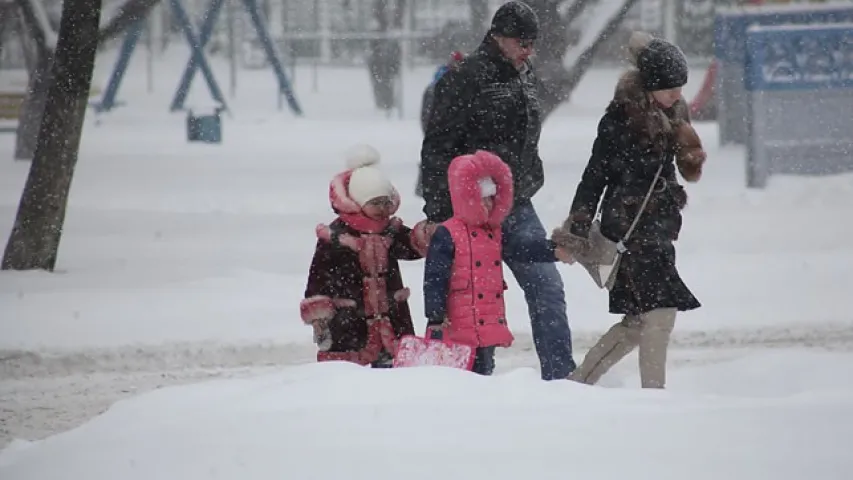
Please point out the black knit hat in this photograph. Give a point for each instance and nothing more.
(515, 20)
(662, 66)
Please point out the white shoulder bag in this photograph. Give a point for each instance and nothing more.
(606, 253)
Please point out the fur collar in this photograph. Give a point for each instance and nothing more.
(654, 125)
(662, 129)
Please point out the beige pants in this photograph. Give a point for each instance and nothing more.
(650, 331)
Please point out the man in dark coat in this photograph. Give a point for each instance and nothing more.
(490, 103)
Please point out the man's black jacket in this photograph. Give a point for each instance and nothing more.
(483, 104)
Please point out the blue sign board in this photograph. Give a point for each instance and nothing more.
(730, 26)
(799, 58)
(799, 91)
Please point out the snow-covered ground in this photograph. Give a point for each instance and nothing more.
(340, 421)
(183, 262)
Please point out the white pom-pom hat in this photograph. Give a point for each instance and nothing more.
(361, 155)
(367, 181)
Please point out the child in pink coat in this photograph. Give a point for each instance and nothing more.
(463, 276)
(355, 298)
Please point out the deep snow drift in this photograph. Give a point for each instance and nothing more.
(342, 421)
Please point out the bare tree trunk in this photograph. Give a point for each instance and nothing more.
(553, 30)
(384, 59)
(551, 47)
(479, 16)
(35, 237)
(39, 79)
(40, 76)
(556, 82)
(27, 44)
(32, 107)
(6, 20)
(398, 14)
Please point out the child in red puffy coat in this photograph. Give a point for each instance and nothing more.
(355, 298)
(463, 276)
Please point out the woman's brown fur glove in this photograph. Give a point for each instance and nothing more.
(576, 246)
(689, 154)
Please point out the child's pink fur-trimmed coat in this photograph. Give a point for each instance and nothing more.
(355, 297)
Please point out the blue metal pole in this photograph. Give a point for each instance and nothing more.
(263, 34)
(108, 100)
(197, 59)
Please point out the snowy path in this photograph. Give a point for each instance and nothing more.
(47, 393)
(182, 263)
(19, 365)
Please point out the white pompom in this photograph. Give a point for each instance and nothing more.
(638, 41)
(361, 155)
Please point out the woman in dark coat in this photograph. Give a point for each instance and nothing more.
(646, 125)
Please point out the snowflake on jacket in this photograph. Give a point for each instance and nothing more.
(355, 298)
(463, 276)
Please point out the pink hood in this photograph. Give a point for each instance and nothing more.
(464, 173)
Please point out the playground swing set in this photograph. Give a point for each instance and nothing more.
(204, 128)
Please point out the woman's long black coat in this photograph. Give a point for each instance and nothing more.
(625, 157)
